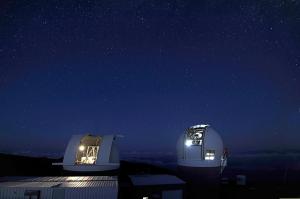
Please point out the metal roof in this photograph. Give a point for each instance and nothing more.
(109, 184)
(66, 187)
(70, 178)
(142, 180)
(66, 181)
(37, 184)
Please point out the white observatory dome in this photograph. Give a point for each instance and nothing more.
(200, 146)
(90, 153)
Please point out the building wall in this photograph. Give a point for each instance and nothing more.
(61, 193)
(90, 193)
(172, 194)
(18, 192)
(162, 191)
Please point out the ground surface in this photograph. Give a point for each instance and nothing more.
(261, 183)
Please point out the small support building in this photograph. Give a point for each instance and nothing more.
(157, 187)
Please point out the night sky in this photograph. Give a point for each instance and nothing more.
(148, 69)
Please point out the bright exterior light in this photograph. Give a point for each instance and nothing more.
(188, 143)
(200, 126)
(81, 148)
(204, 125)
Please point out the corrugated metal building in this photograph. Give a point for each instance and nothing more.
(74, 187)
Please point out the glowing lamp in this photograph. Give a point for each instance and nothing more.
(81, 148)
(188, 143)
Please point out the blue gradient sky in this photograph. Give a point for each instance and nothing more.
(148, 70)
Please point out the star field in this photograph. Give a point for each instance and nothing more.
(148, 70)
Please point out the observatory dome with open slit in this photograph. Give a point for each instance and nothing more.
(91, 153)
(200, 146)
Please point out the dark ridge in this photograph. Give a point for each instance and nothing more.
(16, 165)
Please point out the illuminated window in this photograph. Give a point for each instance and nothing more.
(210, 155)
(88, 149)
